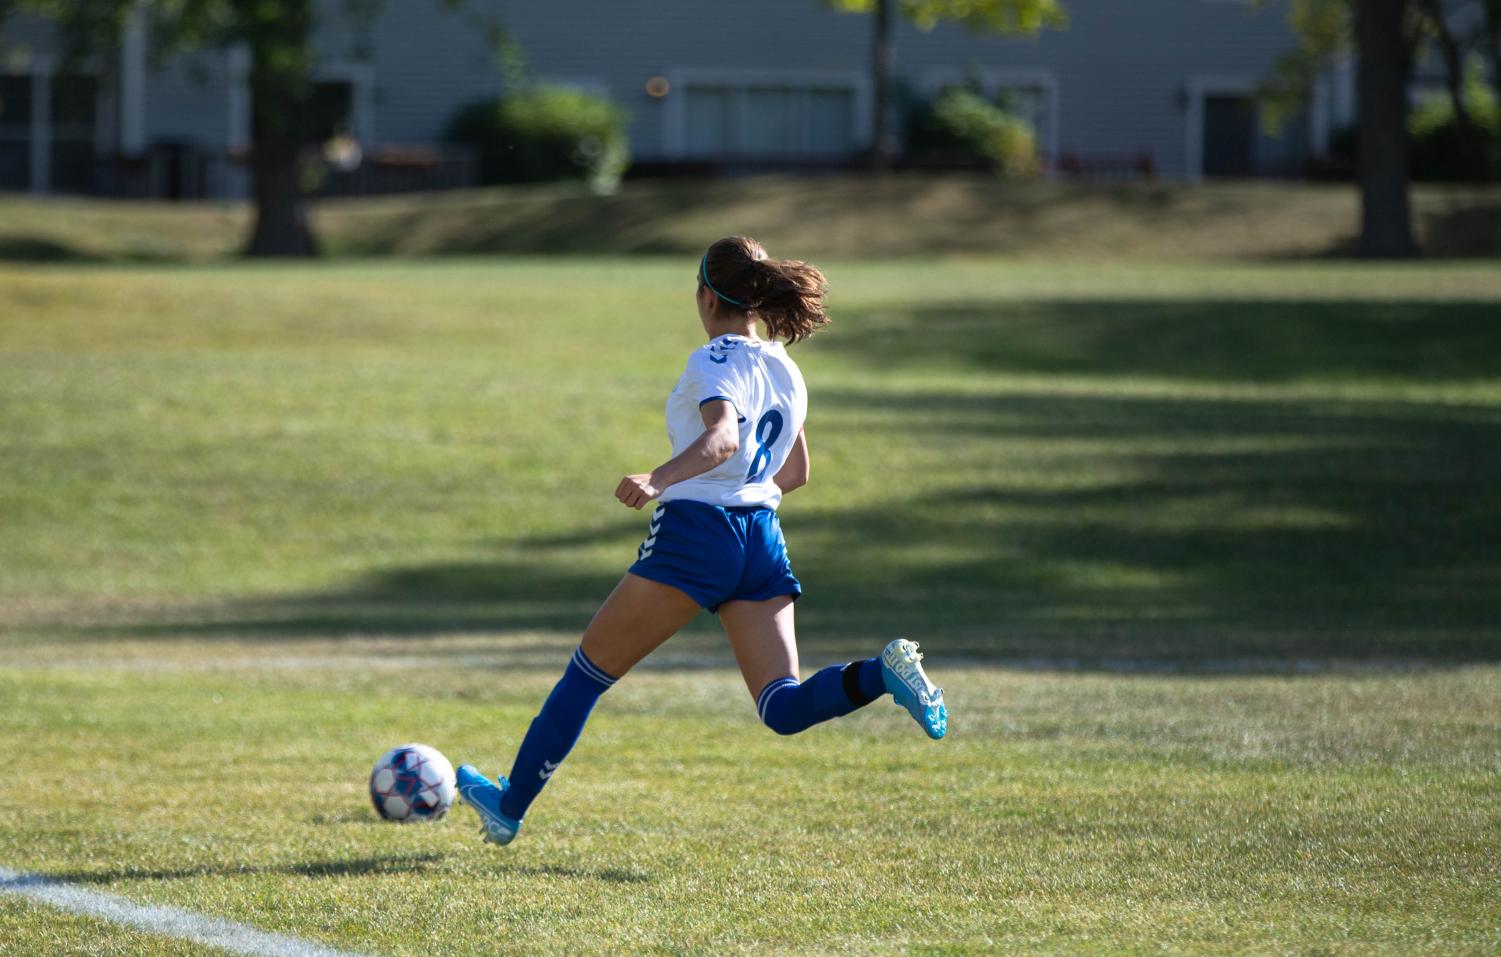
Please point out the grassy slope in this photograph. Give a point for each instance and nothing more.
(263, 522)
(810, 217)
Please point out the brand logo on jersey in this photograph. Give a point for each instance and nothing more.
(548, 767)
(722, 346)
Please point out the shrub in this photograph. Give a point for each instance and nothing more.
(545, 133)
(1439, 151)
(960, 118)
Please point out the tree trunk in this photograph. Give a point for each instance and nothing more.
(883, 143)
(1385, 67)
(281, 224)
(281, 66)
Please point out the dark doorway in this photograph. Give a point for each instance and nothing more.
(330, 112)
(1229, 136)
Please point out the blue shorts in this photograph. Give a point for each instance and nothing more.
(716, 554)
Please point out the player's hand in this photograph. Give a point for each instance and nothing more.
(636, 490)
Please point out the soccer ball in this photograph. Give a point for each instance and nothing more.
(412, 783)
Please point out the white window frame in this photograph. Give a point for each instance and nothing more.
(132, 91)
(994, 79)
(40, 67)
(675, 120)
(41, 124)
(1198, 89)
(37, 68)
(238, 129)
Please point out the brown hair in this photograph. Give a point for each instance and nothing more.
(785, 294)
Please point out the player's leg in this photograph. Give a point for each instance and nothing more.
(637, 617)
(764, 640)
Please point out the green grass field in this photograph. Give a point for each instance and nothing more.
(1204, 555)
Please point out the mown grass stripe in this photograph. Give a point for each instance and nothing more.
(167, 921)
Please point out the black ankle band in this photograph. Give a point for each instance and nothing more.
(850, 676)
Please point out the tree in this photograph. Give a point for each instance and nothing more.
(1385, 36)
(1451, 48)
(1385, 42)
(1006, 17)
(279, 37)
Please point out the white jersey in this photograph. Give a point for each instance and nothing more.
(768, 394)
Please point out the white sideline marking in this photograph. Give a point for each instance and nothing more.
(167, 921)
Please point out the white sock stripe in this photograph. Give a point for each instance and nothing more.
(773, 686)
(769, 691)
(166, 921)
(588, 667)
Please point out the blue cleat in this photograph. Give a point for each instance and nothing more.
(482, 794)
(904, 678)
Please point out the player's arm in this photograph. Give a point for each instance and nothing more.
(794, 472)
(719, 441)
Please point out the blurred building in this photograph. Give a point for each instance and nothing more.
(1153, 87)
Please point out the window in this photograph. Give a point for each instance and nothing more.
(15, 131)
(768, 120)
(708, 121)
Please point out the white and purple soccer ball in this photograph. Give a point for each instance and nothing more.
(412, 783)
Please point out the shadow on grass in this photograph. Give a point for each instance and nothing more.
(1462, 230)
(37, 249)
(1232, 341)
(354, 867)
(1280, 492)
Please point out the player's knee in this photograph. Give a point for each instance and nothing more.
(780, 707)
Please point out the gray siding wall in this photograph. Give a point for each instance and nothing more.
(188, 100)
(1123, 71)
(22, 36)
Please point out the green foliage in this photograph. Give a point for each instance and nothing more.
(981, 16)
(1439, 150)
(961, 118)
(1321, 30)
(545, 133)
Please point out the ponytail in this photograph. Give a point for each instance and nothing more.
(786, 294)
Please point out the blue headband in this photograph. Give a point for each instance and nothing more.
(704, 268)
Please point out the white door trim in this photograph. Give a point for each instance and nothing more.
(1198, 87)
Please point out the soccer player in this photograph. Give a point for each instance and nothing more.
(735, 419)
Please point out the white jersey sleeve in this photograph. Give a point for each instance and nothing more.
(709, 376)
(766, 389)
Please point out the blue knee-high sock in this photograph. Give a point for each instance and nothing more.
(788, 707)
(554, 732)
